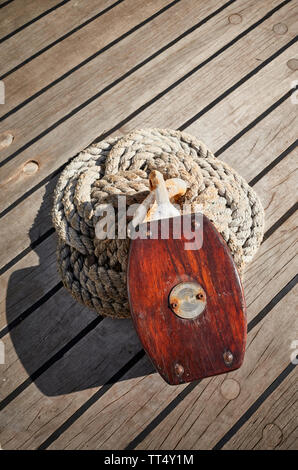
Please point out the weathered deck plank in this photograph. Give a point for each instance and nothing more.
(18, 13)
(272, 257)
(86, 44)
(274, 134)
(50, 28)
(267, 190)
(71, 379)
(277, 213)
(200, 426)
(275, 425)
(54, 148)
(195, 416)
(274, 189)
(268, 131)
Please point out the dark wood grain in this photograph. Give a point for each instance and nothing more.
(199, 344)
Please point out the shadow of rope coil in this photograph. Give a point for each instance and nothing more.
(94, 271)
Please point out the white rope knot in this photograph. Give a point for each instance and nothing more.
(93, 270)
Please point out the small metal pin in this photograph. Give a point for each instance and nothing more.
(228, 358)
(179, 370)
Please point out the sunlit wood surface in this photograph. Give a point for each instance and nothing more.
(73, 71)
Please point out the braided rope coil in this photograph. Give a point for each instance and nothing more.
(93, 270)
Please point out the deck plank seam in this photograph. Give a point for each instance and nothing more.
(57, 41)
(163, 414)
(93, 399)
(59, 285)
(42, 300)
(135, 113)
(6, 3)
(26, 251)
(272, 164)
(240, 82)
(97, 53)
(20, 28)
(256, 121)
(51, 361)
(251, 325)
(113, 43)
(94, 323)
(273, 302)
(280, 221)
(252, 182)
(255, 406)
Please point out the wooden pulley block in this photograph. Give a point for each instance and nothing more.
(187, 304)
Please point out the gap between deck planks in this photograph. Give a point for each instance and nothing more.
(215, 135)
(275, 426)
(67, 20)
(18, 15)
(32, 395)
(144, 38)
(35, 324)
(76, 43)
(204, 132)
(198, 412)
(275, 131)
(3, 3)
(197, 426)
(9, 171)
(20, 89)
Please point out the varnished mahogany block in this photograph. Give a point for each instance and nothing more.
(183, 349)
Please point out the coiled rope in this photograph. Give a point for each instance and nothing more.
(93, 270)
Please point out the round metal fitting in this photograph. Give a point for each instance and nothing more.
(228, 358)
(187, 300)
(179, 370)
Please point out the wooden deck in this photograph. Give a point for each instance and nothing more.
(74, 71)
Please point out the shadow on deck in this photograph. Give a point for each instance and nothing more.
(90, 353)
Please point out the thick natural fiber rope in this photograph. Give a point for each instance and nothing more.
(94, 271)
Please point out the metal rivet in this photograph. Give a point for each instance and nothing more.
(179, 370)
(228, 358)
(174, 305)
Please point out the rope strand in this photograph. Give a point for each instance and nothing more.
(93, 270)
